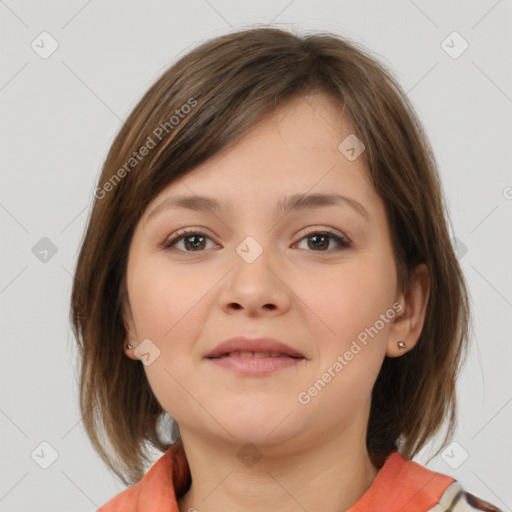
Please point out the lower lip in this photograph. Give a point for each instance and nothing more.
(256, 365)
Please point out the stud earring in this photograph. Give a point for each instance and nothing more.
(129, 347)
(401, 344)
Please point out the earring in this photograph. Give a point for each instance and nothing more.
(401, 344)
(129, 347)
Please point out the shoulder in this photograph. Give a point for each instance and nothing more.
(142, 495)
(126, 501)
(447, 494)
(155, 492)
(407, 486)
(456, 499)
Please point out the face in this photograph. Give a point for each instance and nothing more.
(320, 278)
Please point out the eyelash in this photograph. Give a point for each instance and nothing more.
(187, 232)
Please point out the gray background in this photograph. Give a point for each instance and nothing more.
(59, 116)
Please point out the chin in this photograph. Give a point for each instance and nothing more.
(262, 428)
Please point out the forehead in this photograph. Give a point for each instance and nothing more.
(294, 150)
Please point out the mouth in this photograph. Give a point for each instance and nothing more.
(242, 346)
(256, 364)
(256, 355)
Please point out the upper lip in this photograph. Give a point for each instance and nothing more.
(243, 344)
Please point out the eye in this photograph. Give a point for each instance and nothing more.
(195, 240)
(321, 239)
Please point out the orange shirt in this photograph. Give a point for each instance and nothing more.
(400, 486)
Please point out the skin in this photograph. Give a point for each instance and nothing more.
(306, 291)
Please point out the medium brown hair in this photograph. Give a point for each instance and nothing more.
(229, 84)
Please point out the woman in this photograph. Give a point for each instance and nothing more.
(268, 264)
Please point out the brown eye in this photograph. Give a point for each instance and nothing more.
(193, 241)
(319, 241)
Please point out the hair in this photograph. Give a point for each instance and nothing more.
(206, 102)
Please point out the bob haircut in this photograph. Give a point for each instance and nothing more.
(199, 108)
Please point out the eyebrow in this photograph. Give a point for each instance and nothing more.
(295, 202)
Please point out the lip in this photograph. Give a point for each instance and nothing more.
(244, 344)
(254, 366)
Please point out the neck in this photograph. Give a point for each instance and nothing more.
(329, 475)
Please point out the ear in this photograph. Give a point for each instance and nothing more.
(131, 337)
(407, 326)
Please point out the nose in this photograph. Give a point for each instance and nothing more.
(255, 288)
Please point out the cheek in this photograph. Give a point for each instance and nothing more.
(166, 306)
(351, 337)
(351, 297)
(163, 298)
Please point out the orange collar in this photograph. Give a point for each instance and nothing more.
(400, 485)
